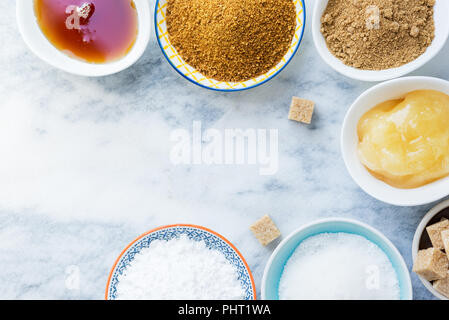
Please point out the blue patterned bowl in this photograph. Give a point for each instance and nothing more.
(212, 239)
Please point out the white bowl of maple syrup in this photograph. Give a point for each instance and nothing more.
(110, 36)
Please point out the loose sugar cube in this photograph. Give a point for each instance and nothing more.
(265, 230)
(301, 110)
(445, 239)
(442, 286)
(434, 232)
(431, 264)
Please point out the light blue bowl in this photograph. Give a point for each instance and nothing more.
(275, 266)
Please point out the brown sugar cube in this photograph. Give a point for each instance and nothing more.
(301, 110)
(442, 286)
(265, 230)
(434, 232)
(431, 264)
(445, 239)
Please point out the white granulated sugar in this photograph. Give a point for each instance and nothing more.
(338, 266)
(179, 269)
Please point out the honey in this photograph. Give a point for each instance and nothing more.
(95, 31)
(405, 142)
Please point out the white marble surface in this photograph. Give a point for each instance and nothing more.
(84, 164)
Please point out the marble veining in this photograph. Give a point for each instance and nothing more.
(85, 165)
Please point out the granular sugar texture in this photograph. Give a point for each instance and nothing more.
(338, 266)
(179, 269)
(378, 34)
(232, 40)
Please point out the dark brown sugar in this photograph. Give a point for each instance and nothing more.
(232, 40)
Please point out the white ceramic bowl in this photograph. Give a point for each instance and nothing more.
(393, 89)
(38, 43)
(441, 11)
(417, 238)
(275, 266)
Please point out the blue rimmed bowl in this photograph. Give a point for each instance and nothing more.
(275, 267)
(212, 240)
(196, 77)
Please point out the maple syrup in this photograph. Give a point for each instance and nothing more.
(95, 31)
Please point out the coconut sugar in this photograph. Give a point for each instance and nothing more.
(179, 269)
(378, 34)
(338, 266)
(232, 40)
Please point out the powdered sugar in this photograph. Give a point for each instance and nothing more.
(180, 268)
(338, 266)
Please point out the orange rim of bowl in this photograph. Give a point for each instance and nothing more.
(188, 226)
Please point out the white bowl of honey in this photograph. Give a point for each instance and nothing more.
(86, 37)
(395, 141)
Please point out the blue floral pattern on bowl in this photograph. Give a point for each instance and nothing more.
(196, 233)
